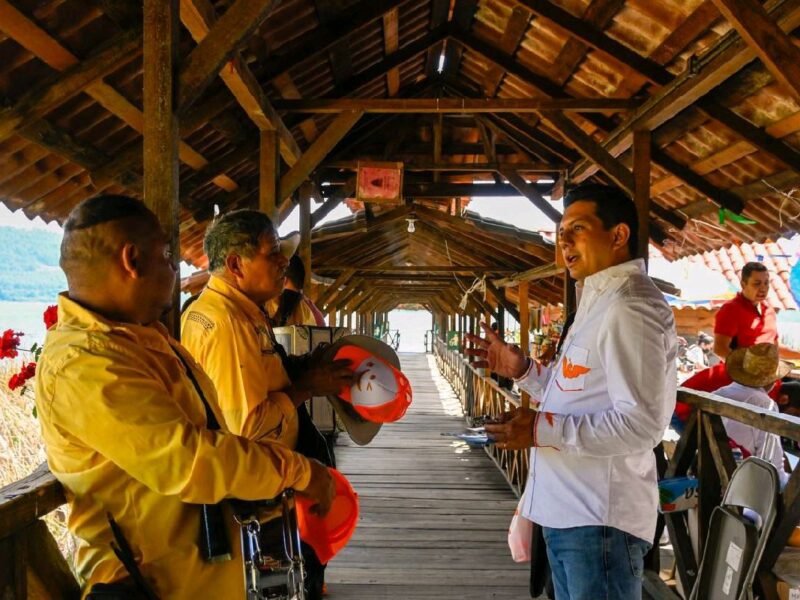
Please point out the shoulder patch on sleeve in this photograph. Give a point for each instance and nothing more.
(201, 320)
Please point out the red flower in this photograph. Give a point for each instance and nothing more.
(50, 316)
(19, 379)
(9, 343)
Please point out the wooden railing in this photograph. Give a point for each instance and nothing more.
(31, 565)
(702, 450)
(480, 395)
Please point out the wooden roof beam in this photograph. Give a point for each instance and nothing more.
(199, 17)
(29, 35)
(417, 269)
(532, 194)
(658, 75)
(716, 65)
(390, 46)
(313, 156)
(457, 105)
(475, 167)
(775, 49)
(513, 34)
(599, 14)
(40, 100)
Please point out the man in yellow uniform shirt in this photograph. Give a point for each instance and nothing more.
(124, 415)
(228, 332)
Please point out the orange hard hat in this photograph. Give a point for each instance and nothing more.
(382, 393)
(329, 534)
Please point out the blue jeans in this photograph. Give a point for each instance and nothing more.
(595, 563)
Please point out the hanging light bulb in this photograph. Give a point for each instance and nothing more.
(411, 227)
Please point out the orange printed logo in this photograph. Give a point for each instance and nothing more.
(571, 370)
(548, 416)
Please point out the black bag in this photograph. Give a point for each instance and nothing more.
(115, 591)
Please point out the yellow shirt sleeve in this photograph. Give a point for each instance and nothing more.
(303, 315)
(247, 375)
(126, 415)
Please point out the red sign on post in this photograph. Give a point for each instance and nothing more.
(379, 182)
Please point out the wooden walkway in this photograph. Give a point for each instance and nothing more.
(434, 514)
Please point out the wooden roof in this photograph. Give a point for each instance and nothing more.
(577, 78)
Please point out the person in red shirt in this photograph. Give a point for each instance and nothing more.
(741, 322)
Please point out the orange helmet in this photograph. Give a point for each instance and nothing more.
(329, 534)
(382, 393)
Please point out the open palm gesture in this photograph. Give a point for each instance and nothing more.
(492, 352)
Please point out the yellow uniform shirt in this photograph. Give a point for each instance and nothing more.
(227, 334)
(302, 314)
(126, 433)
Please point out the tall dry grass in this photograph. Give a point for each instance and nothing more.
(22, 448)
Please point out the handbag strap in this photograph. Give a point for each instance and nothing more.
(211, 419)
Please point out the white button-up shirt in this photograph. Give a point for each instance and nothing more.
(757, 441)
(605, 403)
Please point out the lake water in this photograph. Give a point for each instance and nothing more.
(25, 317)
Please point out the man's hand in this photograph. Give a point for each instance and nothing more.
(322, 378)
(320, 488)
(492, 352)
(516, 432)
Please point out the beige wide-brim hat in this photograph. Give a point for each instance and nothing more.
(360, 430)
(289, 244)
(757, 366)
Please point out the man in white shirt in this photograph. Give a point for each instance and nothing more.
(754, 371)
(604, 403)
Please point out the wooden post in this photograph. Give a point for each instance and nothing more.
(304, 250)
(160, 47)
(524, 330)
(641, 177)
(269, 175)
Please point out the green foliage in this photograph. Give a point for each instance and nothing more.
(29, 268)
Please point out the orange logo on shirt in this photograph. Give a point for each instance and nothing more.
(571, 370)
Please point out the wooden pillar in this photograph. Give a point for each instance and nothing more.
(488, 316)
(304, 250)
(641, 179)
(524, 330)
(160, 57)
(269, 175)
(501, 321)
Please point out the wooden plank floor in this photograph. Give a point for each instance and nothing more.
(434, 514)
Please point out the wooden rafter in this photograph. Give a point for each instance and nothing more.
(530, 192)
(390, 46)
(40, 100)
(32, 37)
(457, 105)
(775, 49)
(729, 55)
(200, 19)
(313, 156)
(513, 34)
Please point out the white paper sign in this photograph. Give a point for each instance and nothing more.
(726, 584)
(734, 557)
(794, 594)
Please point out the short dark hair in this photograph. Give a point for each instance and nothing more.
(612, 205)
(296, 271)
(104, 209)
(753, 267)
(81, 247)
(237, 231)
(792, 390)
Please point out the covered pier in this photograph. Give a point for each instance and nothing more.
(404, 111)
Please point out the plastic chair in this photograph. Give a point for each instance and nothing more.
(735, 544)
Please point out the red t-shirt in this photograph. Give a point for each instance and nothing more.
(739, 319)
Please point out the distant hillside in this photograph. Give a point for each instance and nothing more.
(29, 268)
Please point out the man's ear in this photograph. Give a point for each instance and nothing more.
(233, 263)
(622, 233)
(131, 260)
